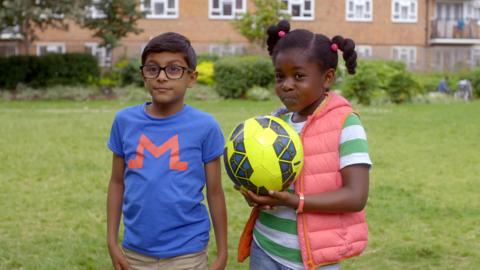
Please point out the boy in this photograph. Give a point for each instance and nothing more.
(164, 153)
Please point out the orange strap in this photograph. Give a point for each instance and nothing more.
(247, 236)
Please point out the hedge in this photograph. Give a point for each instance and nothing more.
(48, 70)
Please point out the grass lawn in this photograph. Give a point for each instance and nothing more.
(423, 208)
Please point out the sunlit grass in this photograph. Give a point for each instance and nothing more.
(423, 209)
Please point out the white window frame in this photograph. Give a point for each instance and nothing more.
(226, 49)
(412, 16)
(303, 12)
(149, 10)
(50, 46)
(364, 51)
(409, 51)
(235, 11)
(93, 12)
(100, 52)
(349, 12)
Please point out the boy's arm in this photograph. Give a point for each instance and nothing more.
(114, 211)
(218, 211)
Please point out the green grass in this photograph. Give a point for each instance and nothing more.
(423, 208)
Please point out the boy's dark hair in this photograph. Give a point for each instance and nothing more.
(279, 38)
(171, 42)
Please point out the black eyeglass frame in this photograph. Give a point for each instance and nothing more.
(165, 71)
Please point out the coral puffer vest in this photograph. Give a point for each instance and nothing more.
(323, 238)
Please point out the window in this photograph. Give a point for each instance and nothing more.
(100, 53)
(12, 32)
(46, 48)
(300, 9)
(226, 9)
(364, 51)
(475, 57)
(160, 9)
(93, 11)
(7, 50)
(221, 49)
(404, 10)
(407, 54)
(359, 10)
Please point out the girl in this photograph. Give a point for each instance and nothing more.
(320, 221)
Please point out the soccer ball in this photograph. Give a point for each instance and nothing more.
(263, 153)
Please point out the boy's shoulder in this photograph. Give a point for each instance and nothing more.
(129, 111)
(201, 115)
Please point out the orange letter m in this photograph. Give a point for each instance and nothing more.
(170, 144)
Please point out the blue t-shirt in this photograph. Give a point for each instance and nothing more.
(164, 176)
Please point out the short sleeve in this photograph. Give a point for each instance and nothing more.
(213, 143)
(353, 143)
(115, 140)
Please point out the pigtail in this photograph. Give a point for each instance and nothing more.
(275, 33)
(347, 46)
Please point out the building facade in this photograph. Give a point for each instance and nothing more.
(425, 34)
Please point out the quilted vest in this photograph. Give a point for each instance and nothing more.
(323, 238)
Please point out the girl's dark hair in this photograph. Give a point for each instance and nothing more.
(279, 38)
(171, 42)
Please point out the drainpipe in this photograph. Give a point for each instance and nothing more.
(428, 26)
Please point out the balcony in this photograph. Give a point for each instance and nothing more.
(449, 32)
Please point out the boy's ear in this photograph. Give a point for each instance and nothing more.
(193, 78)
(329, 78)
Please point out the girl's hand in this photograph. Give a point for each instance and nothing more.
(118, 258)
(247, 199)
(273, 199)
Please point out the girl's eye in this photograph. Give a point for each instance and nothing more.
(299, 76)
(279, 76)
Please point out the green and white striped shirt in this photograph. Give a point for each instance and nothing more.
(276, 230)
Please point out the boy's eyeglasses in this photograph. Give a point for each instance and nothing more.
(173, 72)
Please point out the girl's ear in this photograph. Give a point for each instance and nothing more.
(192, 76)
(329, 78)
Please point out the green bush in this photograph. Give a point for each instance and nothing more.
(258, 93)
(361, 85)
(474, 78)
(48, 70)
(129, 72)
(207, 57)
(401, 87)
(205, 73)
(236, 74)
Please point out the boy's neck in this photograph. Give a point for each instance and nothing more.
(161, 111)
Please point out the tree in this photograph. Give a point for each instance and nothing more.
(253, 25)
(110, 20)
(26, 17)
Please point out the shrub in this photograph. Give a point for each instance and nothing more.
(474, 78)
(205, 73)
(207, 57)
(48, 70)
(129, 72)
(361, 85)
(258, 93)
(236, 74)
(401, 87)
(202, 92)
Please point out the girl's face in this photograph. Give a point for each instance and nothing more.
(299, 82)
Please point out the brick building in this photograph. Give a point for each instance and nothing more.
(426, 34)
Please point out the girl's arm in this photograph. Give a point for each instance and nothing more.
(218, 211)
(114, 211)
(351, 197)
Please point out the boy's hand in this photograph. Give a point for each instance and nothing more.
(273, 199)
(118, 258)
(218, 264)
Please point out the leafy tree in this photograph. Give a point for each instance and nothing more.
(26, 17)
(253, 25)
(111, 20)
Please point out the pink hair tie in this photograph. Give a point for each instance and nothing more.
(281, 34)
(334, 47)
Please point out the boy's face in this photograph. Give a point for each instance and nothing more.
(299, 83)
(168, 92)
